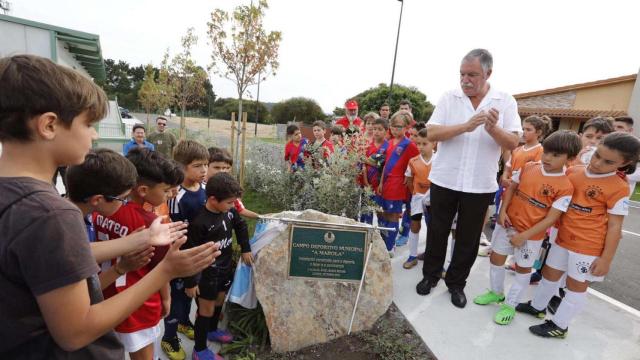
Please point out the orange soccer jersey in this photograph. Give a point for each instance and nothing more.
(537, 192)
(521, 156)
(420, 170)
(584, 227)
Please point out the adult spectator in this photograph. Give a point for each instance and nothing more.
(405, 105)
(351, 122)
(471, 125)
(137, 140)
(163, 140)
(384, 111)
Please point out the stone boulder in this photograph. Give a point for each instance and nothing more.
(301, 312)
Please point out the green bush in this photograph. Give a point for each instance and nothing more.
(297, 109)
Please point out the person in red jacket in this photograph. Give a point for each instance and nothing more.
(351, 122)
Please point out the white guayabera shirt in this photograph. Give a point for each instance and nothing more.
(469, 162)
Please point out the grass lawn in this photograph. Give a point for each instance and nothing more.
(272, 140)
(636, 194)
(255, 202)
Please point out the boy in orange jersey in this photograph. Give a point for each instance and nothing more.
(417, 180)
(534, 201)
(588, 234)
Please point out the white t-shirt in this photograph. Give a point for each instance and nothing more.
(469, 161)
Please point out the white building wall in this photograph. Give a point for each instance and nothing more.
(66, 59)
(21, 39)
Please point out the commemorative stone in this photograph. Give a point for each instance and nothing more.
(307, 280)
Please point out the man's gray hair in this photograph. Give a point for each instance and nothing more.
(486, 60)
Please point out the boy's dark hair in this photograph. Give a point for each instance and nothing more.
(337, 130)
(383, 104)
(419, 125)
(563, 142)
(423, 133)
(188, 151)
(600, 123)
(627, 145)
(319, 123)
(405, 102)
(138, 126)
(152, 167)
(103, 172)
(174, 173)
(161, 118)
(540, 123)
(223, 186)
(383, 122)
(219, 155)
(291, 129)
(625, 119)
(31, 85)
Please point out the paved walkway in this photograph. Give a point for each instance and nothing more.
(606, 329)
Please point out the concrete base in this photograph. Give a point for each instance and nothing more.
(604, 330)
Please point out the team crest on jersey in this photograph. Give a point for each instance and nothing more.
(546, 190)
(399, 150)
(526, 252)
(583, 267)
(593, 191)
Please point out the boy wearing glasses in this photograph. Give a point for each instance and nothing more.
(139, 331)
(163, 140)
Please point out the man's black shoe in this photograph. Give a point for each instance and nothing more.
(424, 286)
(458, 298)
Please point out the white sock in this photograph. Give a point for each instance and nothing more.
(496, 278)
(570, 306)
(413, 244)
(520, 283)
(544, 293)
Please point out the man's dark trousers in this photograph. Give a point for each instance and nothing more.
(471, 209)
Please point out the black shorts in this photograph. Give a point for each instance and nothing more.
(214, 280)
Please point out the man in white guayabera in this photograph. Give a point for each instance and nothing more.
(471, 125)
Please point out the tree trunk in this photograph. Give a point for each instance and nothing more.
(147, 120)
(236, 153)
(183, 130)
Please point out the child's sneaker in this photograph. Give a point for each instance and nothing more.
(554, 303)
(392, 252)
(221, 336)
(205, 354)
(484, 251)
(402, 240)
(411, 262)
(186, 330)
(483, 240)
(488, 298)
(528, 309)
(173, 349)
(505, 315)
(549, 329)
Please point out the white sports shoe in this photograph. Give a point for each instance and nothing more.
(483, 240)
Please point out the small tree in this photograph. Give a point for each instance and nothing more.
(165, 97)
(371, 100)
(148, 93)
(186, 79)
(242, 49)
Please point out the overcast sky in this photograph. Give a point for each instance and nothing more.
(333, 49)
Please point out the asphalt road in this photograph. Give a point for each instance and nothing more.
(623, 281)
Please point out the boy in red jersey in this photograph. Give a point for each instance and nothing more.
(139, 331)
(375, 156)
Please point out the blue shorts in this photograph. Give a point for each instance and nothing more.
(377, 199)
(392, 206)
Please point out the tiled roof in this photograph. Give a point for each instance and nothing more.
(570, 113)
(556, 90)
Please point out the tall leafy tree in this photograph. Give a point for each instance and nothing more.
(298, 109)
(242, 49)
(371, 100)
(187, 79)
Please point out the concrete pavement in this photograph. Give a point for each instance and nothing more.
(606, 329)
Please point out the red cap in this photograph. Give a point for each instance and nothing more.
(351, 105)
